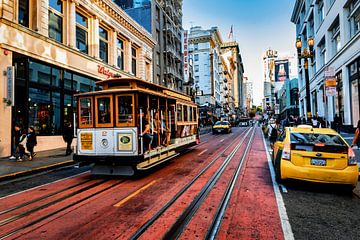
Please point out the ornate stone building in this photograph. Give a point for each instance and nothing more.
(50, 50)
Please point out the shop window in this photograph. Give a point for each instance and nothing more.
(41, 111)
(124, 110)
(133, 61)
(354, 70)
(83, 84)
(82, 33)
(103, 111)
(55, 77)
(56, 20)
(85, 112)
(120, 53)
(103, 44)
(39, 73)
(23, 14)
(68, 108)
(67, 80)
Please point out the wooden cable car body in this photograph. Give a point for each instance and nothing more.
(133, 125)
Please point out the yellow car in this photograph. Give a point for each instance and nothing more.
(316, 155)
(221, 126)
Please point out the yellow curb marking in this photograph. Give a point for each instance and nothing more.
(134, 194)
(202, 152)
(35, 169)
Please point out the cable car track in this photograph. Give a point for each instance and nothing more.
(43, 206)
(187, 214)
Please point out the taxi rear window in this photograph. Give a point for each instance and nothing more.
(316, 139)
(221, 123)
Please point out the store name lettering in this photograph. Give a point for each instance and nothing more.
(105, 71)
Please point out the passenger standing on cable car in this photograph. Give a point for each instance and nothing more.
(145, 132)
(154, 129)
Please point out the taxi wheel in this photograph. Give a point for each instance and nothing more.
(277, 168)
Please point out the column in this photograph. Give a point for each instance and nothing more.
(94, 43)
(113, 48)
(127, 56)
(71, 24)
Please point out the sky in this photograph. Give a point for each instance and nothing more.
(257, 26)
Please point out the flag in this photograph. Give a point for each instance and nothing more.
(231, 34)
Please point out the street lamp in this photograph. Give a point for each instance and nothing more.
(306, 55)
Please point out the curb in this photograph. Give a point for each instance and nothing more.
(35, 170)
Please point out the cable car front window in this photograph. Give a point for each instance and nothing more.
(104, 110)
(125, 110)
(85, 112)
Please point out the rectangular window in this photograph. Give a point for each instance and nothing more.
(179, 113)
(339, 100)
(321, 12)
(81, 33)
(322, 52)
(196, 68)
(55, 20)
(85, 112)
(354, 18)
(196, 46)
(335, 39)
(23, 13)
(103, 44)
(196, 57)
(133, 61)
(186, 115)
(103, 111)
(125, 111)
(120, 54)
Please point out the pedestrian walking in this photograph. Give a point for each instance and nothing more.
(18, 137)
(356, 140)
(337, 123)
(273, 132)
(68, 137)
(31, 142)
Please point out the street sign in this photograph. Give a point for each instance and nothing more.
(331, 82)
(329, 72)
(330, 91)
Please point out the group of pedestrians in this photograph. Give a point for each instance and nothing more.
(19, 137)
(18, 151)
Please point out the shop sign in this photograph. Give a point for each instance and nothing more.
(105, 71)
(10, 85)
(330, 91)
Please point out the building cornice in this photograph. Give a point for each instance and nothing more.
(119, 15)
(296, 10)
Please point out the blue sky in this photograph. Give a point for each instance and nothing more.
(257, 25)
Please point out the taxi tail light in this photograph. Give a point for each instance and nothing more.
(286, 153)
(351, 157)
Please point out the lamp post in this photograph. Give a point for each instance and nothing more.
(306, 54)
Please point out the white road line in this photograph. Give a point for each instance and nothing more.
(222, 140)
(283, 188)
(285, 224)
(202, 152)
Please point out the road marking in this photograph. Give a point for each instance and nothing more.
(222, 140)
(283, 188)
(285, 223)
(134, 194)
(202, 152)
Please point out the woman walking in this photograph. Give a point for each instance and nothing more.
(31, 142)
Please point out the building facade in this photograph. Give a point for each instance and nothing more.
(163, 19)
(288, 98)
(335, 27)
(53, 49)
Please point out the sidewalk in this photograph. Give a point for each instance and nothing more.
(42, 161)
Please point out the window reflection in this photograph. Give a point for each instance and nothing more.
(103, 105)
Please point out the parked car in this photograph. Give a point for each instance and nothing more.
(221, 127)
(316, 155)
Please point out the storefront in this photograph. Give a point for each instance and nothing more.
(354, 71)
(44, 94)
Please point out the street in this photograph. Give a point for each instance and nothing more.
(224, 180)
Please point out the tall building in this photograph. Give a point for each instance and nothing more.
(248, 92)
(335, 27)
(204, 50)
(53, 49)
(163, 19)
(269, 58)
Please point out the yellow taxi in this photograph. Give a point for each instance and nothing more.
(316, 155)
(221, 127)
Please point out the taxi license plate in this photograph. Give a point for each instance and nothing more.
(219, 130)
(318, 162)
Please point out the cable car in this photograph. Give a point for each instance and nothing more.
(131, 125)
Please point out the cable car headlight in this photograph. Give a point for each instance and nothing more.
(104, 143)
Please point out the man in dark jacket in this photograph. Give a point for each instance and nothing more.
(17, 138)
(68, 137)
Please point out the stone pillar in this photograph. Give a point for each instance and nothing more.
(127, 56)
(5, 110)
(94, 43)
(71, 24)
(112, 48)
